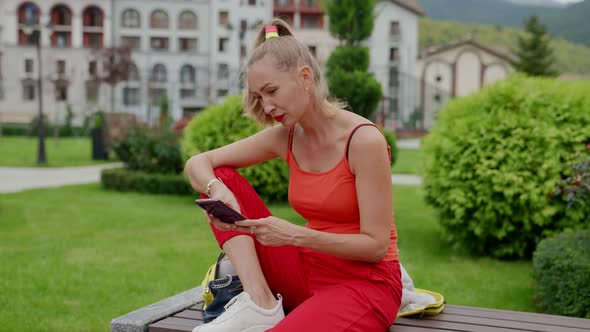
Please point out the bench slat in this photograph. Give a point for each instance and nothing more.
(530, 317)
(513, 324)
(190, 314)
(171, 324)
(450, 326)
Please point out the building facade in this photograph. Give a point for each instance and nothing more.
(191, 51)
(457, 70)
(393, 48)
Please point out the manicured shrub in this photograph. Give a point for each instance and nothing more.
(348, 58)
(360, 90)
(561, 266)
(391, 141)
(493, 160)
(222, 124)
(150, 150)
(122, 179)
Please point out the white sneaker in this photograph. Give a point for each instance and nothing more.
(243, 315)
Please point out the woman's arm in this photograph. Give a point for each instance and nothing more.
(369, 162)
(264, 145)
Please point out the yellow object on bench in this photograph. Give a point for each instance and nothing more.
(430, 309)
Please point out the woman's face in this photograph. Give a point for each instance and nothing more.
(281, 94)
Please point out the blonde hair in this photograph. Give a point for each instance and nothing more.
(288, 53)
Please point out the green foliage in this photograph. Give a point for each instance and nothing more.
(98, 120)
(164, 107)
(569, 57)
(121, 179)
(150, 151)
(351, 21)
(534, 52)
(494, 157)
(360, 90)
(348, 58)
(222, 124)
(68, 129)
(575, 188)
(35, 125)
(391, 141)
(561, 267)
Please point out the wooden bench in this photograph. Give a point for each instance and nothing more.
(183, 312)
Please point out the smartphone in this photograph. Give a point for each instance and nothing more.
(220, 210)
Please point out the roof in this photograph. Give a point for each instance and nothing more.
(502, 54)
(411, 5)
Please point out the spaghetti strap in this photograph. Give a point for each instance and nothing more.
(352, 133)
(290, 138)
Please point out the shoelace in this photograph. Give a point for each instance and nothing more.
(228, 307)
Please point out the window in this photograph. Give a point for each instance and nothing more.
(133, 74)
(187, 74)
(223, 44)
(437, 98)
(92, 68)
(222, 92)
(60, 67)
(187, 21)
(243, 51)
(223, 18)
(187, 44)
(394, 29)
(159, 73)
(312, 3)
(130, 96)
(92, 17)
(131, 42)
(159, 20)
(159, 43)
(29, 90)
(252, 2)
(156, 95)
(61, 15)
(312, 50)
(187, 93)
(29, 66)
(282, 3)
(438, 78)
(311, 22)
(61, 92)
(393, 54)
(222, 71)
(91, 91)
(393, 77)
(93, 40)
(130, 18)
(28, 14)
(60, 39)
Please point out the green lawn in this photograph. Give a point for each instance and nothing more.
(75, 257)
(408, 162)
(65, 151)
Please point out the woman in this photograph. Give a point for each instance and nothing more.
(338, 273)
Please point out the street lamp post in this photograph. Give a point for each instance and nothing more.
(30, 30)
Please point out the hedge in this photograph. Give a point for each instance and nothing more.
(222, 124)
(561, 267)
(122, 179)
(494, 158)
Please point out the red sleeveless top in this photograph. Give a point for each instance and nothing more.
(328, 200)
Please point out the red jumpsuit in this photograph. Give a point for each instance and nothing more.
(322, 292)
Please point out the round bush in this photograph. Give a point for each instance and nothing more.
(391, 141)
(493, 159)
(222, 124)
(561, 266)
(348, 58)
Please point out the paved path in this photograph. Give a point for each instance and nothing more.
(409, 143)
(15, 179)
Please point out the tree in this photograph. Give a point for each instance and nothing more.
(534, 52)
(116, 65)
(351, 21)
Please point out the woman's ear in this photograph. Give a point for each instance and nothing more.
(306, 75)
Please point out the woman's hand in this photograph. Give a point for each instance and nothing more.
(269, 231)
(221, 192)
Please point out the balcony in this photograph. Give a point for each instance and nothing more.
(284, 7)
(310, 7)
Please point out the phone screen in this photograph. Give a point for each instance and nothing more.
(220, 210)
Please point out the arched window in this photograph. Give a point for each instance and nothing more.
(93, 17)
(159, 74)
(187, 20)
(159, 19)
(130, 19)
(28, 16)
(187, 74)
(61, 16)
(133, 74)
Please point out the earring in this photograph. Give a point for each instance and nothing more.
(307, 91)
